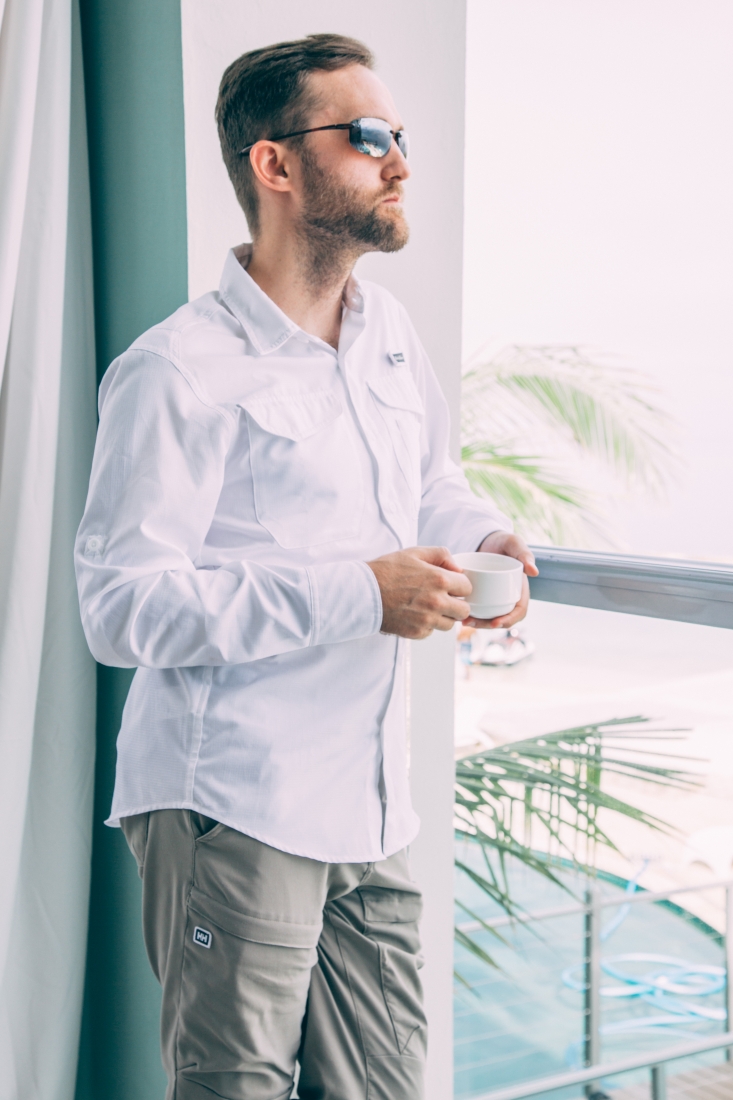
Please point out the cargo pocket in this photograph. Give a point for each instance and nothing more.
(252, 929)
(308, 486)
(391, 919)
(244, 986)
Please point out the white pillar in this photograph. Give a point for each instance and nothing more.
(431, 774)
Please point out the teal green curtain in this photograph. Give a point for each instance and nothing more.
(134, 97)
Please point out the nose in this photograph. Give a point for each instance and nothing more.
(395, 166)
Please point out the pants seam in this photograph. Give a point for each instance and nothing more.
(180, 974)
(145, 844)
(327, 916)
(369, 871)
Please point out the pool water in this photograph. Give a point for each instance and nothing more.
(523, 1018)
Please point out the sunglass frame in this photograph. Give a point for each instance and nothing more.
(356, 140)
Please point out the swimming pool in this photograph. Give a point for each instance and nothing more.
(663, 982)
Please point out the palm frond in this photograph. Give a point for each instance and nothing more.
(539, 801)
(605, 410)
(540, 502)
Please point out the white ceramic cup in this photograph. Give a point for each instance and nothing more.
(496, 582)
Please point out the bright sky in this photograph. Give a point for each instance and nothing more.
(599, 211)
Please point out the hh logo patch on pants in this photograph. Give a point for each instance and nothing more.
(202, 937)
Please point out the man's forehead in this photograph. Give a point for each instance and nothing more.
(349, 93)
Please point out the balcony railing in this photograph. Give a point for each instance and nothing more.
(688, 591)
(594, 1070)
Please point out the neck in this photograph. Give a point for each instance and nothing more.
(305, 278)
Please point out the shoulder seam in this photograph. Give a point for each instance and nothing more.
(175, 362)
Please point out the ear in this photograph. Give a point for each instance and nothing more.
(270, 164)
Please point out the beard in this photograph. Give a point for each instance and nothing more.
(338, 223)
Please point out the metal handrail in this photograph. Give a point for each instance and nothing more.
(594, 1069)
(609, 1069)
(601, 903)
(663, 588)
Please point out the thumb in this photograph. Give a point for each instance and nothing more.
(527, 559)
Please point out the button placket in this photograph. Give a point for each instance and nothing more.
(380, 447)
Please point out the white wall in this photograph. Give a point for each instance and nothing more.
(420, 49)
(599, 179)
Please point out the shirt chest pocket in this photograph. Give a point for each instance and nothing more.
(308, 487)
(401, 410)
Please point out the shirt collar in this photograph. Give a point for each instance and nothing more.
(264, 322)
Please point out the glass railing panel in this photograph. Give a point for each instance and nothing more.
(521, 1010)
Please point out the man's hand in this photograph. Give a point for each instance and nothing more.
(422, 590)
(501, 542)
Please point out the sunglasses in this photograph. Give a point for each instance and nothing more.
(371, 136)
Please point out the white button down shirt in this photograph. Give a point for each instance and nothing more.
(244, 473)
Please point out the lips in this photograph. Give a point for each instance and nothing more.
(393, 198)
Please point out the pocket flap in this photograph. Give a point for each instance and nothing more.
(294, 416)
(390, 906)
(398, 390)
(276, 933)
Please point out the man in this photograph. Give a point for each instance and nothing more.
(268, 460)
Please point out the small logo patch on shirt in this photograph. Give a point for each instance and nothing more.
(202, 937)
(396, 357)
(95, 545)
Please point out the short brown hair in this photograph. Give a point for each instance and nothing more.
(265, 92)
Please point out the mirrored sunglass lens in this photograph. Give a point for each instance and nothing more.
(371, 136)
(403, 142)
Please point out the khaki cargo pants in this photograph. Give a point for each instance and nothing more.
(266, 957)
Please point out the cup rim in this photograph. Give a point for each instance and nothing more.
(486, 562)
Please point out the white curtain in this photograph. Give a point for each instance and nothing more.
(47, 424)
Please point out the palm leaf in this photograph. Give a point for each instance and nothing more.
(552, 784)
(540, 502)
(608, 411)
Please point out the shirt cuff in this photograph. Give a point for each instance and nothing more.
(347, 603)
(474, 533)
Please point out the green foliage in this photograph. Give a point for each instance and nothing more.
(539, 801)
(526, 489)
(574, 405)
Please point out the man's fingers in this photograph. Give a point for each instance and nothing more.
(458, 584)
(455, 580)
(450, 564)
(458, 611)
(503, 542)
(527, 560)
(454, 615)
(517, 548)
(434, 555)
(422, 590)
(517, 613)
